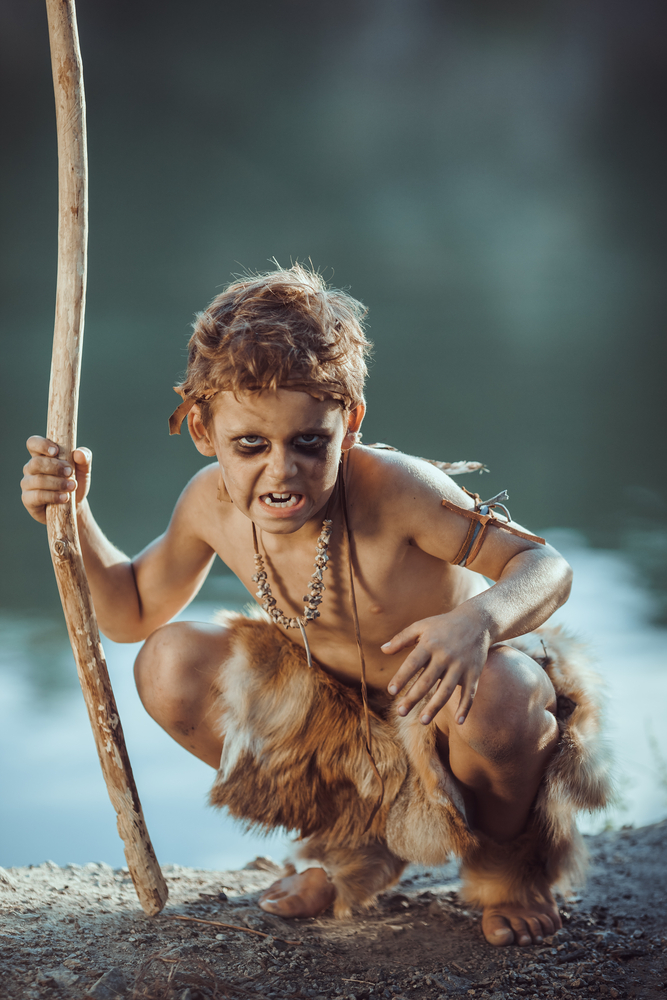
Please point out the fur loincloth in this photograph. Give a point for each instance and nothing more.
(293, 757)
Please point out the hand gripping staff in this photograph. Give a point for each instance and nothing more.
(61, 428)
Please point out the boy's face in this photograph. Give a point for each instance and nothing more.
(279, 452)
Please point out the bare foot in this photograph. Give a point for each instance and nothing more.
(304, 895)
(522, 925)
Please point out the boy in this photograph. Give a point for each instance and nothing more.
(492, 772)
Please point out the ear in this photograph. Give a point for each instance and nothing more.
(199, 434)
(354, 421)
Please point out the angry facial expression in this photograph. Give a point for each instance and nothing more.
(279, 452)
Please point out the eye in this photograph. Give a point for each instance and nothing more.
(309, 441)
(251, 441)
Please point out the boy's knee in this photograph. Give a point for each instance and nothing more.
(512, 678)
(158, 659)
(172, 669)
(515, 702)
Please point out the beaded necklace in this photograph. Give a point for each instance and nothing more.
(315, 585)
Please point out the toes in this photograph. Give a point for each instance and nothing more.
(521, 932)
(272, 897)
(281, 904)
(497, 931)
(272, 888)
(535, 928)
(500, 937)
(270, 905)
(548, 927)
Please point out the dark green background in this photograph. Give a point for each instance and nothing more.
(487, 177)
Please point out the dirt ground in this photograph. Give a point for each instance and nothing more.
(79, 932)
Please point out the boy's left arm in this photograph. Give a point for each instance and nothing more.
(531, 581)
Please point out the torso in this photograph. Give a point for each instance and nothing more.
(396, 583)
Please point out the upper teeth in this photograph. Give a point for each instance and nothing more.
(283, 499)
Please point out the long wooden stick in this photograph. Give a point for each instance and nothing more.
(61, 428)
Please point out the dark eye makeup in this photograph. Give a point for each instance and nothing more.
(250, 444)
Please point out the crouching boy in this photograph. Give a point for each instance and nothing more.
(381, 702)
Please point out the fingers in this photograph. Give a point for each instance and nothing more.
(48, 484)
(468, 692)
(38, 445)
(435, 671)
(47, 467)
(47, 474)
(446, 687)
(408, 637)
(433, 662)
(417, 659)
(83, 457)
(49, 479)
(454, 675)
(442, 695)
(41, 498)
(445, 655)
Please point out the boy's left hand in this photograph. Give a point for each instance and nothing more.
(450, 648)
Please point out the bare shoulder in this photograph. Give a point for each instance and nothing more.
(393, 479)
(199, 505)
(399, 495)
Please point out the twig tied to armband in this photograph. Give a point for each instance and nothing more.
(482, 516)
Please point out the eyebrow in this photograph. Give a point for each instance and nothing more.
(303, 430)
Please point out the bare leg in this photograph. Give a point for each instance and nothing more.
(175, 673)
(499, 756)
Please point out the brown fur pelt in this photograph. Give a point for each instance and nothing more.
(293, 757)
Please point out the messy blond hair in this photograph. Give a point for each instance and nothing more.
(286, 328)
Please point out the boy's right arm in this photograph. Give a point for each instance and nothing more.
(132, 597)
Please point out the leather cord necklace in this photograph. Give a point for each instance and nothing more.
(362, 661)
(311, 612)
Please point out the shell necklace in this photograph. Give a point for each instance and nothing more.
(315, 586)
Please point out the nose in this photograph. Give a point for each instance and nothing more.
(281, 466)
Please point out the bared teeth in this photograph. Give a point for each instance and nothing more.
(280, 499)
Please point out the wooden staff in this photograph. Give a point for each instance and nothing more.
(61, 428)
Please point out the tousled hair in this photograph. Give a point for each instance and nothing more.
(286, 328)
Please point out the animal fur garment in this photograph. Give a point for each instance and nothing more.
(293, 757)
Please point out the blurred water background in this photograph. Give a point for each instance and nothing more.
(487, 177)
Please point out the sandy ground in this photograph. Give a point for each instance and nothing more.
(78, 932)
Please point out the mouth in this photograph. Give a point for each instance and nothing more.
(281, 501)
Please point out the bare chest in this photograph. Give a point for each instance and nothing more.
(395, 584)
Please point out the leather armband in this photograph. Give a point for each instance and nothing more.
(482, 517)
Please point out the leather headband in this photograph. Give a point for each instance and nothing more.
(182, 410)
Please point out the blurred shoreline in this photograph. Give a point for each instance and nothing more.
(54, 798)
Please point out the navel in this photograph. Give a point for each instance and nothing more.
(376, 609)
